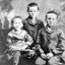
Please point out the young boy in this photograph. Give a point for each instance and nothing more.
(56, 37)
(18, 39)
(32, 24)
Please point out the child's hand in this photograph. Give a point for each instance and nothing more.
(43, 55)
(49, 55)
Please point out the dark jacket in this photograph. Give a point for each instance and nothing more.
(43, 40)
(56, 37)
(33, 29)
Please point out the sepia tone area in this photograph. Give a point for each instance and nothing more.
(11, 8)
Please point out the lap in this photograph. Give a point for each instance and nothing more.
(40, 61)
(54, 60)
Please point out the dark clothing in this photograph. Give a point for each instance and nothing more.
(56, 37)
(42, 39)
(33, 29)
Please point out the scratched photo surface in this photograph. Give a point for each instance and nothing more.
(11, 8)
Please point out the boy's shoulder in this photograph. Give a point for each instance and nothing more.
(43, 31)
(58, 28)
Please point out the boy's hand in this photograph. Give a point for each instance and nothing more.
(49, 55)
(43, 55)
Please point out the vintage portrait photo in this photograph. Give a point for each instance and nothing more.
(32, 32)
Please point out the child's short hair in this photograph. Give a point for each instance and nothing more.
(12, 21)
(54, 12)
(31, 5)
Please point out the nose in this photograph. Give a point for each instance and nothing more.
(17, 25)
(50, 22)
(32, 13)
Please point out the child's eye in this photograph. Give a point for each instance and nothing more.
(30, 11)
(33, 11)
(49, 18)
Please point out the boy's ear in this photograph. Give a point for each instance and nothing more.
(37, 12)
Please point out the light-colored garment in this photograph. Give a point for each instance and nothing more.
(19, 40)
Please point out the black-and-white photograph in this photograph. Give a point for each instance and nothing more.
(32, 32)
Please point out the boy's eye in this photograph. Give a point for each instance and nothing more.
(30, 11)
(49, 18)
(33, 11)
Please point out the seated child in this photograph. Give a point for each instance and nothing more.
(18, 40)
(56, 37)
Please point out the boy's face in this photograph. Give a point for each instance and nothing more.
(17, 24)
(51, 19)
(33, 11)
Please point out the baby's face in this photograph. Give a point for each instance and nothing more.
(51, 19)
(33, 11)
(17, 24)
